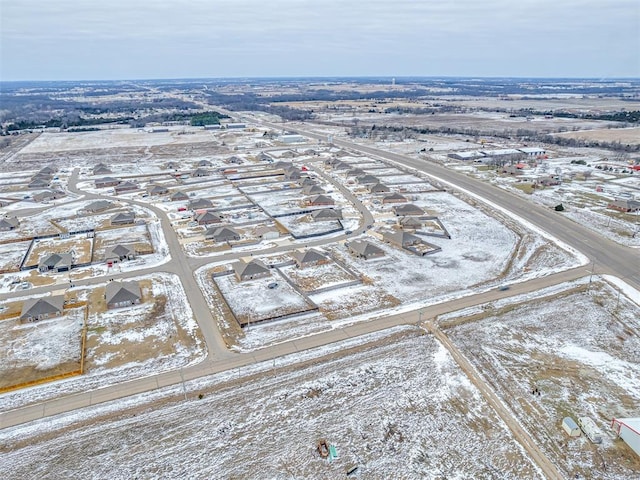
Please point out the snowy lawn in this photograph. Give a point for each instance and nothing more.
(581, 348)
(265, 302)
(11, 254)
(396, 406)
(317, 277)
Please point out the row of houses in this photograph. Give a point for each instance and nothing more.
(117, 295)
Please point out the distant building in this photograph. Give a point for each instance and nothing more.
(123, 218)
(407, 210)
(207, 218)
(199, 204)
(292, 138)
(48, 195)
(98, 206)
(308, 258)
(326, 214)
(625, 205)
(118, 253)
(126, 187)
(394, 198)
(318, 200)
(378, 188)
(201, 172)
(178, 196)
(532, 151)
(106, 182)
(222, 234)
(153, 189)
(101, 169)
(367, 180)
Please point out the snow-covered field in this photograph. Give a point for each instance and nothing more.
(580, 347)
(11, 254)
(395, 407)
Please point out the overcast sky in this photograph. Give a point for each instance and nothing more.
(135, 39)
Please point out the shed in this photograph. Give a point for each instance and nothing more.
(628, 429)
(571, 427)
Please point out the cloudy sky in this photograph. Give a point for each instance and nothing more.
(135, 39)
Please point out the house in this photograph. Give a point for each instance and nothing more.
(153, 189)
(320, 200)
(58, 262)
(292, 173)
(394, 198)
(312, 190)
(207, 218)
(407, 209)
(326, 214)
(309, 258)
(101, 169)
(364, 249)
(200, 172)
(355, 172)
(282, 164)
(126, 187)
(263, 157)
(410, 223)
(199, 204)
(222, 234)
(118, 253)
(307, 181)
(571, 427)
(401, 239)
(123, 218)
(628, 429)
(98, 206)
(378, 188)
(106, 182)
(235, 160)
(367, 180)
(251, 270)
(178, 196)
(172, 166)
(122, 294)
(267, 233)
(38, 183)
(205, 163)
(48, 195)
(9, 223)
(625, 205)
(47, 170)
(40, 308)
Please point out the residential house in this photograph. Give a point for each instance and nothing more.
(318, 200)
(401, 239)
(201, 172)
(199, 204)
(154, 189)
(267, 233)
(9, 223)
(367, 180)
(48, 170)
(122, 294)
(207, 218)
(48, 195)
(394, 198)
(98, 206)
(118, 253)
(38, 183)
(106, 182)
(126, 187)
(204, 163)
(57, 262)
(309, 258)
(312, 190)
(625, 205)
(172, 166)
(123, 218)
(365, 249)
(101, 169)
(250, 270)
(34, 309)
(378, 188)
(222, 234)
(326, 214)
(407, 209)
(178, 196)
(410, 223)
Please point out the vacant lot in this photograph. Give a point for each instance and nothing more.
(395, 407)
(580, 348)
(622, 135)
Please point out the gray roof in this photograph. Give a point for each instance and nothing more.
(367, 179)
(101, 169)
(106, 180)
(378, 187)
(200, 203)
(179, 195)
(123, 217)
(401, 238)
(56, 260)
(222, 234)
(98, 206)
(156, 189)
(201, 172)
(326, 214)
(117, 292)
(394, 196)
(208, 217)
(408, 209)
(34, 307)
(312, 189)
(254, 267)
(308, 256)
(322, 199)
(9, 223)
(120, 251)
(364, 248)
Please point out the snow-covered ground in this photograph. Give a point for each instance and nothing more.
(394, 404)
(579, 346)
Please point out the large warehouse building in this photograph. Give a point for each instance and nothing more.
(628, 429)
